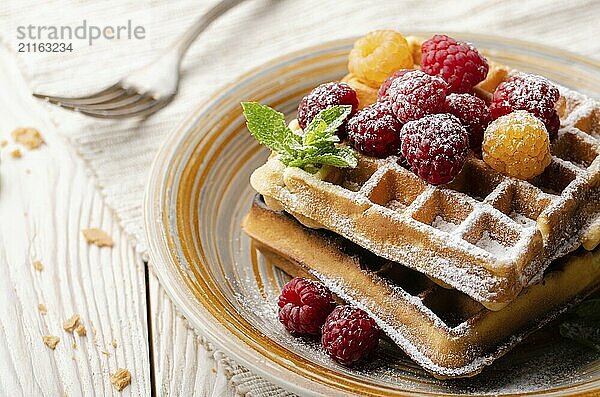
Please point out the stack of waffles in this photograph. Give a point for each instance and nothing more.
(455, 274)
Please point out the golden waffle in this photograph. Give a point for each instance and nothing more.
(485, 234)
(443, 330)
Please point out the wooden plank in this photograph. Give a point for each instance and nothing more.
(46, 199)
(183, 366)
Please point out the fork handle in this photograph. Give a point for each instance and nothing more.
(186, 40)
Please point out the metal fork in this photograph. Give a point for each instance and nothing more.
(148, 89)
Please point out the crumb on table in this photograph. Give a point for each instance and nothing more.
(121, 379)
(16, 154)
(42, 308)
(28, 137)
(51, 341)
(72, 322)
(81, 331)
(97, 237)
(38, 265)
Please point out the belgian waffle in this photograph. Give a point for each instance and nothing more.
(484, 234)
(443, 330)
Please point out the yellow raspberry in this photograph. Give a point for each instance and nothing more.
(517, 144)
(366, 94)
(414, 44)
(379, 54)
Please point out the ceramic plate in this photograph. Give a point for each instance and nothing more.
(199, 191)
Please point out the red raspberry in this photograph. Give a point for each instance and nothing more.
(349, 335)
(383, 89)
(529, 92)
(304, 305)
(435, 146)
(323, 97)
(472, 113)
(457, 62)
(552, 123)
(375, 131)
(416, 94)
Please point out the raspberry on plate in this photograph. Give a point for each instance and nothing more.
(457, 62)
(435, 146)
(416, 94)
(304, 305)
(517, 144)
(529, 92)
(323, 97)
(473, 113)
(375, 131)
(375, 56)
(385, 86)
(349, 335)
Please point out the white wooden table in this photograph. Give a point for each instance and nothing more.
(48, 196)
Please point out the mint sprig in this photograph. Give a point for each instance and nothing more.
(317, 146)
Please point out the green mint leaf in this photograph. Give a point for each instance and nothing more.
(268, 127)
(333, 160)
(287, 159)
(316, 147)
(318, 135)
(342, 157)
(333, 117)
(348, 154)
(325, 124)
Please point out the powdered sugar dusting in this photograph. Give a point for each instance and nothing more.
(539, 91)
(435, 146)
(522, 219)
(442, 224)
(395, 205)
(490, 244)
(416, 94)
